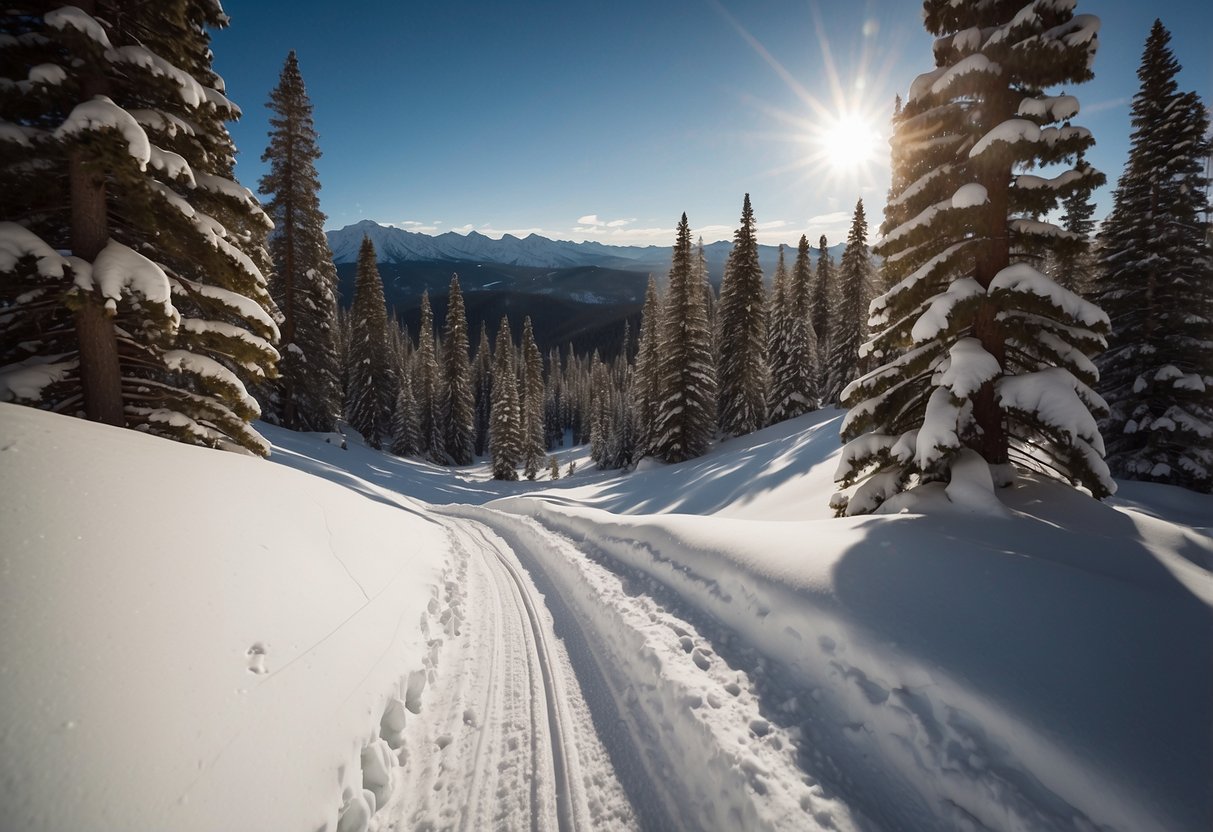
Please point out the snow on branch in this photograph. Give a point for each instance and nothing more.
(25, 380)
(17, 241)
(72, 17)
(101, 113)
(1012, 131)
(118, 269)
(1051, 107)
(1021, 277)
(967, 367)
(936, 318)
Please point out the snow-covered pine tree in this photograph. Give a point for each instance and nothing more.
(648, 367)
(1156, 283)
(794, 391)
(600, 412)
(741, 369)
(406, 421)
(304, 281)
(685, 416)
(459, 405)
(821, 301)
(989, 361)
(1073, 268)
(368, 356)
(777, 333)
(505, 421)
(115, 150)
(534, 449)
(553, 394)
(428, 387)
(702, 277)
(848, 315)
(482, 388)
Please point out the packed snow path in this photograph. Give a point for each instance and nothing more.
(510, 745)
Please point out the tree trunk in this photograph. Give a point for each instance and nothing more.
(100, 373)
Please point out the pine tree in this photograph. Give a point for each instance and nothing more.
(406, 421)
(1156, 283)
(428, 387)
(459, 405)
(482, 388)
(794, 360)
(1073, 267)
(984, 355)
(534, 449)
(685, 415)
(161, 314)
(848, 319)
(553, 395)
(304, 283)
(821, 302)
(368, 355)
(741, 370)
(648, 367)
(505, 424)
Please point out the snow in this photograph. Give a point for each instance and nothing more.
(49, 74)
(191, 92)
(970, 196)
(100, 113)
(17, 242)
(172, 164)
(1051, 107)
(966, 66)
(967, 367)
(696, 646)
(213, 371)
(1022, 277)
(70, 16)
(1011, 131)
(26, 379)
(936, 317)
(133, 606)
(119, 269)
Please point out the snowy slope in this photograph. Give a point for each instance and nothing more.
(193, 639)
(698, 646)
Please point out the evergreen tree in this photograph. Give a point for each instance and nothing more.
(505, 423)
(648, 367)
(406, 421)
(482, 388)
(821, 302)
(459, 414)
(686, 406)
(1156, 283)
(368, 353)
(428, 387)
(553, 394)
(304, 283)
(534, 449)
(984, 355)
(848, 319)
(794, 360)
(161, 314)
(741, 370)
(1073, 267)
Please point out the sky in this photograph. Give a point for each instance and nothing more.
(606, 119)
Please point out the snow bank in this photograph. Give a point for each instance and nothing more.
(195, 640)
(1044, 670)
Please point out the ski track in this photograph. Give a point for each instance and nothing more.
(505, 741)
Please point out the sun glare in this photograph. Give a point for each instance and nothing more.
(849, 143)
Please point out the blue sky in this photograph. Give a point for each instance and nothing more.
(606, 119)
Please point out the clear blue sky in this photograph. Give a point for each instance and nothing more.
(566, 117)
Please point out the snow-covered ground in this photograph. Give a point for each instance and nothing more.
(700, 646)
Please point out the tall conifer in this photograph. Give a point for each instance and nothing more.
(458, 401)
(534, 449)
(505, 422)
(160, 314)
(685, 413)
(741, 371)
(304, 282)
(1156, 283)
(367, 406)
(985, 357)
(848, 319)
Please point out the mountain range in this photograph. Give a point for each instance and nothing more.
(395, 245)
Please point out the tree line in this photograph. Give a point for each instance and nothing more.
(144, 287)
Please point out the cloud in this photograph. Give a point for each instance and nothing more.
(589, 219)
(620, 223)
(415, 225)
(833, 218)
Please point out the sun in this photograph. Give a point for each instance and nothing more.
(848, 143)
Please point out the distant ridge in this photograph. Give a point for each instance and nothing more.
(395, 245)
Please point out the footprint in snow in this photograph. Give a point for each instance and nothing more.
(701, 659)
(256, 659)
